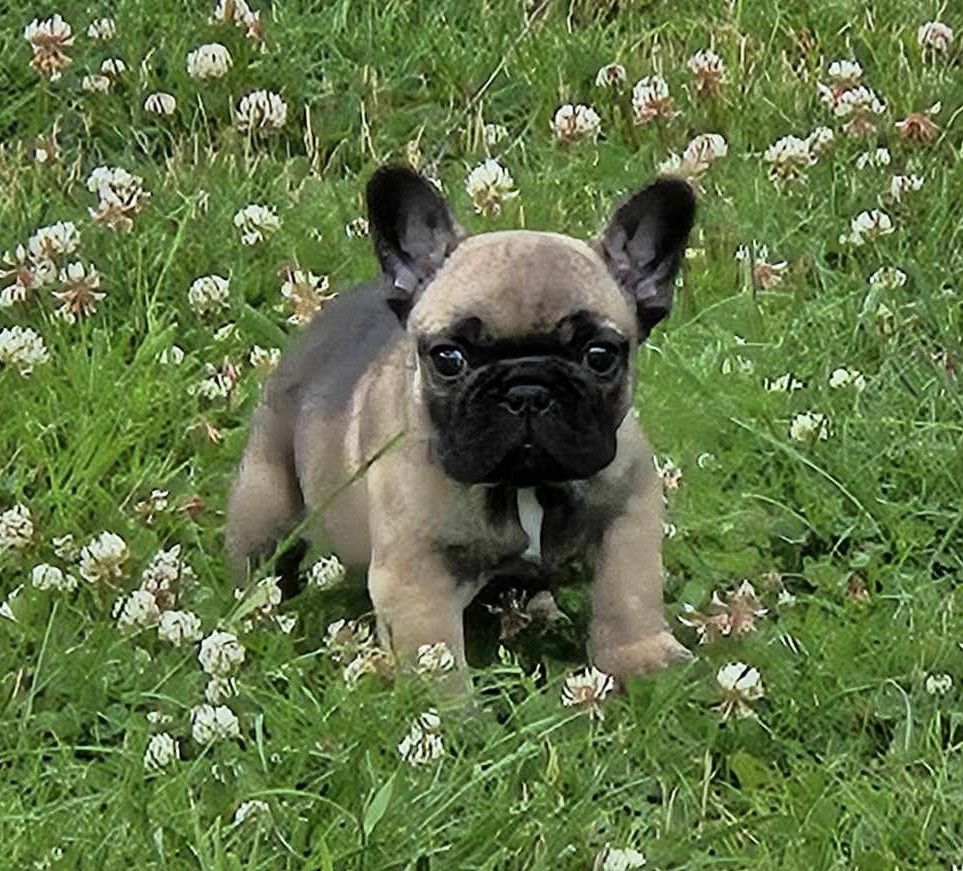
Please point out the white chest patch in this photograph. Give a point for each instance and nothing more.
(530, 515)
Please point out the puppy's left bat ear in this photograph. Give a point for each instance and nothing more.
(644, 244)
(413, 230)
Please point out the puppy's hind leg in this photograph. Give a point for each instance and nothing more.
(266, 501)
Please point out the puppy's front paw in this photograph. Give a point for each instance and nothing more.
(642, 657)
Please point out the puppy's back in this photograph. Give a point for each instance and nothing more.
(327, 361)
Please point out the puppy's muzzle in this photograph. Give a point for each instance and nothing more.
(531, 400)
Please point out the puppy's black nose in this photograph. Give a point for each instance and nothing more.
(527, 399)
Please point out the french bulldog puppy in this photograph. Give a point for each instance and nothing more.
(469, 413)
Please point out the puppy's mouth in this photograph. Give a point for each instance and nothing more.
(528, 464)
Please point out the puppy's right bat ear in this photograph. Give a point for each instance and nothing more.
(413, 230)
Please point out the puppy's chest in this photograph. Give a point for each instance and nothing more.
(538, 529)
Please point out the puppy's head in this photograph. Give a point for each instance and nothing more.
(525, 340)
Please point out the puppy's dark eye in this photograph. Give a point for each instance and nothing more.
(601, 358)
(448, 360)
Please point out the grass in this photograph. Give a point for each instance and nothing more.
(849, 761)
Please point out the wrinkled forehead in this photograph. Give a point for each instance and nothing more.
(521, 282)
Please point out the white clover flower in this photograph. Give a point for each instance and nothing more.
(238, 13)
(166, 568)
(868, 226)
(6, 611)
(210, 724)
(230, 12)
(938, 684)
(783, 384)
(621, 859)
(935, 36)
(858, 104)
(741, 685)
(113, 68)
(80, 293)
(809, 426)
(256, 222)
(172, 356)
(888, 278)
(219, 383)
(788, 159)
(650, 100)
(121, 197)
(345, 637)
(96, 83)
(732, 614)
(785, 598)
(261, 112)
(160, 103)
(572, 123)
(765, 274)
(54, 242)
(587, 688)
(208, 293)
(220, 654)
(327, 572)
(179, 627)
(305, 294)
(65, 547)
(879, 157)
(697, 157)
(158, 501)
(845, 72)
(269, 593)
(902, 184)
(48, 39)
(102, 29)
(610, 76)
(435, 658)
(492, 134)
(162, 752)
(26, 272)
(158, 718)
(103, 557)
(706, 148)
(843, 377)
(669, 472)
(16, 525)
(918, 127)
(709, 627)
(423, 743)
(22, 348)
(356, 228)
(819, 140)
(709, 70)
(264, 359)
(220, 689)
(138, 611)
(48, 577)
(286, 622)
(370, 659)
(209, 61)
(251, 810)
(490, 185)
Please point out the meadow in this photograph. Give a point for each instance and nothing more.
(181, 189)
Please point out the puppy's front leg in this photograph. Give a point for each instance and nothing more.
(417, 601)
(628, 634)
